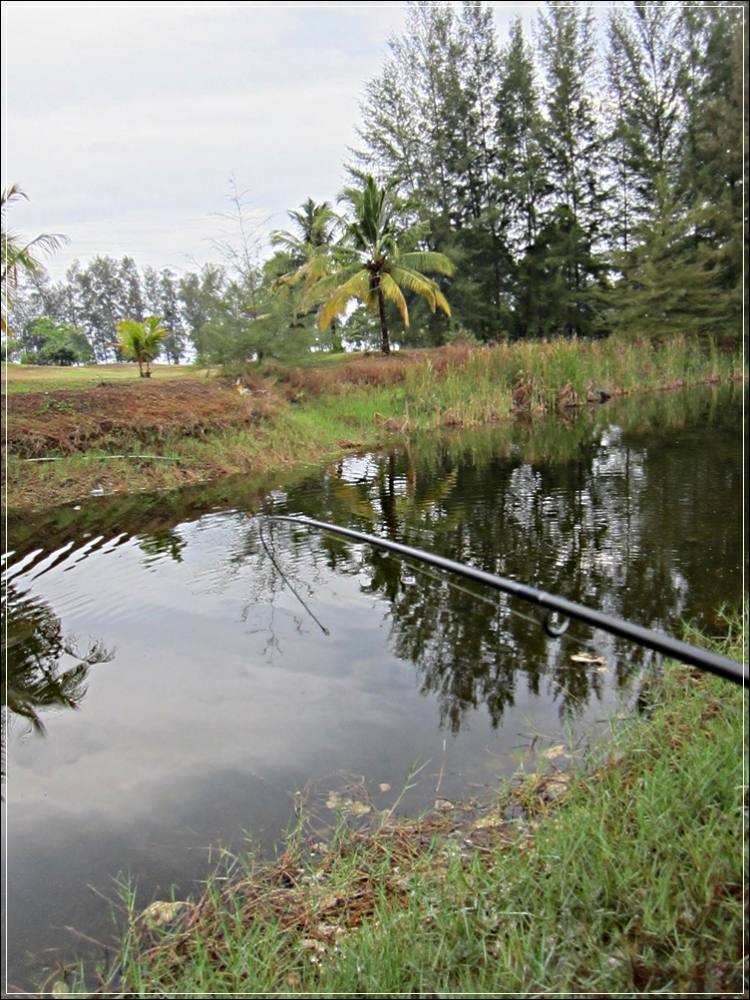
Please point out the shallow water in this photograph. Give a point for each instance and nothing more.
(235, 662)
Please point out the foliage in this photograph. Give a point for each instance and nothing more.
(19, 256)
(372, 266)
(49, 343)
(141, 341)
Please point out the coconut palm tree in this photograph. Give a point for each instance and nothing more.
(315, 228)
(17, 255)
(372, 266)
(141, 341)
(310, 251)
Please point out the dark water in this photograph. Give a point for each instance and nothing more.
(194, 667)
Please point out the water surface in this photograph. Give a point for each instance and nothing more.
(195, 667)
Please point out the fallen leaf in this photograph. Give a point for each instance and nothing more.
(357, 808)
(384, 786)
(587, 658)
(557, 784)
(160, 913)
(310, 944)
(558, 750)
(488, 822)
(351, 806)
(443, 805)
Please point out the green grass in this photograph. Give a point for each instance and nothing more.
(312, 414)
(41, 378)
(630, 882)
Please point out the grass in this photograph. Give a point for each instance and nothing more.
(311, 413)
(38, 378)
(623, 877)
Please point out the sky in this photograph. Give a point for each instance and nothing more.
(125, 123)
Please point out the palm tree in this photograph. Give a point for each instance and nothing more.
(310, 248)
(315, 228)
(310, 251)
(141, 341)
(18, 255)
(373, 267)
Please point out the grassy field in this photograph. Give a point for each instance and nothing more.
(41, 378)
(60, 443)
(623, 876)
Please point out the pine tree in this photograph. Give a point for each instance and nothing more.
(644, 70)
(519, 136)
(173, 341)
(573, 147)
(711, 163)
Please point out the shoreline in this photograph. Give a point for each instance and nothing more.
(639, 850)
(294, 418)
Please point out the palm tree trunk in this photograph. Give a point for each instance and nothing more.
(385, 344)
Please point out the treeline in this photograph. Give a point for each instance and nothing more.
(589, 183)
(579, 187)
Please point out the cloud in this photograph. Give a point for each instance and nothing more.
(123, 122)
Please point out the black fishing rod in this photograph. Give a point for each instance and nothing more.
(722, 666)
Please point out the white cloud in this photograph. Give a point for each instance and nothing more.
(124, 121)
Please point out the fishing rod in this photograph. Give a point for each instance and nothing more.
(551, 604)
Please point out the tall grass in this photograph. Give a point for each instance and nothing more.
(630, 881)
(308, 414)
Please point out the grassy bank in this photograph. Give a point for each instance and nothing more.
(123, 438)
(623, 877)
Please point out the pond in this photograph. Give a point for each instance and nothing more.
(183, 674)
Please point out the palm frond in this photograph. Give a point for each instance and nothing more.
(413, 281)
(393, 292)
(357, 287)
(427, 260)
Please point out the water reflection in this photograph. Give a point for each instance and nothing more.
(599, 509)
(295, 654)
(44, 669)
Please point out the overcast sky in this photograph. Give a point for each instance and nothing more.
(123, 122)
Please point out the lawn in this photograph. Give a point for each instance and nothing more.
(38, 378)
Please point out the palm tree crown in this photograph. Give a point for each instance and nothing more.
(18, 255)
(141, 341)
(373, 267)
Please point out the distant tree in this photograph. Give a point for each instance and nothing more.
(49, 343)
(573, 149)
(100, 302)
(141, 341)
(173, 344)
(201, 298)
(520, 137)
(667, 286)
(132, 289)
(372, 266)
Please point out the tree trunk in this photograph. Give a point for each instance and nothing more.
(385, 344)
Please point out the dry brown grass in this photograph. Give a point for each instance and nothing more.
(65, 422)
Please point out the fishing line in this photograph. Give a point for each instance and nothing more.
(286, 580)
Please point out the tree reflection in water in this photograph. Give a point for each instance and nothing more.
(599, 514)
(44, 669)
